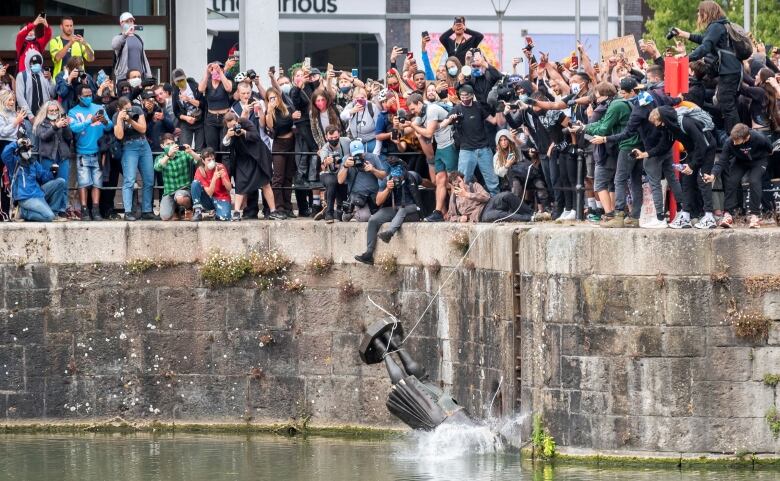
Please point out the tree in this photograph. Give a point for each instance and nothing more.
(682, 14)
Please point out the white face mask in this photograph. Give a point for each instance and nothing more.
(52, 116)
(26, 155)
(211, 165)
(286, 88)
(134, 82)
(575, 88)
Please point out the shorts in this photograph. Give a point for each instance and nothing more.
(89, 172)
(604, 178)
(446, 159)
(590, 165)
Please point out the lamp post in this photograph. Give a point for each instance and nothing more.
(500, 12)
(747, 15)
(577, 19)
(603, 20)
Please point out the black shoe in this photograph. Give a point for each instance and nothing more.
(149, 216)
(304, 212)
(436, 216)
(289, 213)
(130, 218)
(197, 216)
(85, 214)
(385, 236)
(315, 209)
(365, 258)
(277, 215)
(328, 218)
(300, 182)
(96, 214)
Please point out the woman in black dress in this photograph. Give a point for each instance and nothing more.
(250, 163)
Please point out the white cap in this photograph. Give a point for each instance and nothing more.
(125, 17)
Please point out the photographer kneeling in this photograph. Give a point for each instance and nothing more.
(399, 200)
(39, 193)
(335, 150)
(362, 173)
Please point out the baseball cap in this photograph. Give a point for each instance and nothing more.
(628, 84)
(525, 85)
(644, 98)
(178, 74)
(466, 88)
(315, 71)
(36, 58)
(356, 147)
(460, 19)
(125, 17)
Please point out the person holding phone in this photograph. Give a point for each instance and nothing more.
(360, 118)
(32, 38)
(129, 50)
(69, 43)
(460, 45)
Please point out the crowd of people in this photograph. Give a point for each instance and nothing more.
(481, 145)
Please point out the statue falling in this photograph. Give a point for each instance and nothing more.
(413, 399)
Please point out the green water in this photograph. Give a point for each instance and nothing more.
(268, 457)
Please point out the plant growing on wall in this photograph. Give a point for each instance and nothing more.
(543, 442)
(773, 419)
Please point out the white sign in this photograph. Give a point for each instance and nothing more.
(230, 7)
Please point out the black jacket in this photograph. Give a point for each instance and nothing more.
(638, 123)
(716, 41)
(698, 143)
(180, 109)
(755, 151)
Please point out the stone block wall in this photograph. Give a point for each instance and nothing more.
(82, 338)
(628, 342)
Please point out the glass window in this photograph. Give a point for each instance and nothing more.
(113, 8)
(344, 51)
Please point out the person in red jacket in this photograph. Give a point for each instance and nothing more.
(33, 36)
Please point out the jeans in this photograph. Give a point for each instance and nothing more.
(386, 214)
(334, 192)
(64, 170)
(192, 135)
(201, 200)
(755, 178)
(55, 199)
(212, 129)
(694, 184)
(656, 168)
(728, 88)
(550, 178)
(628, 168)
(506, 207)
(468, 160)
(137, 157)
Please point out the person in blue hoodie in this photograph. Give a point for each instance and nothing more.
(88, 123)
(41, 196)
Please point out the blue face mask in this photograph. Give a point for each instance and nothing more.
(36, 68)
(85, 101)
(476, 73)
(345, 90)
(452, 71)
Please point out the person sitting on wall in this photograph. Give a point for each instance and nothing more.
(176, 164)
(211, 187)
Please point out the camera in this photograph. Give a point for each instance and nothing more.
(334, 167)
(402, 116)
(397, 181)
(458, 117)
(134, 116)
(360, 161)
(251, 74)
(237, 128)
(634, 154)
(24, 144)
(673, 32)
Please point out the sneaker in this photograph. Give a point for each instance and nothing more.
(365, 258)
(726, 221)
(328, 218)
(594, 217)
(347, 216)
(385, 236)
(572, 215)
(706, 222)
(541, 217)
(130, 217)
(436, 216)
(277, 215)
(753, 222)
(681, 221)
(564, 216)
(630, 222)
(198, 215)
(315, 209)
(96, 214)
(615, 222)
(655, 224)
(235, 216)
(84, 215)
(149, 216)
(304, 212)
(289, 213)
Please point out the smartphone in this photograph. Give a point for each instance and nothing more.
(395, 134)
(329, 68)
(138, 28)
(42, 14)
(79, 31)
(404, 50)
(425, 34)
(362, 102)
(355, 72)
(101, 112)
(307, 63)
(272, 70)
(409, 54)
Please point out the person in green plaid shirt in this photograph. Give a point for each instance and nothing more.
(176, 167)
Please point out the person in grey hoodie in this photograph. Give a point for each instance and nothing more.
(32, 88)
(129, 50)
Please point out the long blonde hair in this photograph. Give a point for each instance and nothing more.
(4, 95)
(43, 112)
(709, 12)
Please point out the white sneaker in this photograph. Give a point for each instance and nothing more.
(706, 222)
(572, 215)
(564, 215)
(655, 224)
(681, 221)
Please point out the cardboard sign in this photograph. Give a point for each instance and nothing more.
(622, 45)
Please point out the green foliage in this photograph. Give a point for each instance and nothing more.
(544, 444)
(221, 269)
(268, 267)
(773, 419)
(771, 379)
(139, 266)
(682, 14)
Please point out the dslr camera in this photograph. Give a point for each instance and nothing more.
(402, 116)
(251, 74)
(458, 117)
(673, 32)
(237, 129)
(360, 161)
(334, 167)
(134, 116)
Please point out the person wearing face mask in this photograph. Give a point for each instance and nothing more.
(176, 165)
(188, 109)
(129, 50)
(10, 120)
(40, 195)
(360, 118)
(89, 122)
(216, 88)
(69, 79)
(301, 93)
(332, 155)
(32, 88)
(130, 129)
(31, 39)
(211, 188)
(51, 127)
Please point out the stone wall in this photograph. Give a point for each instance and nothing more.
(82, 338)
(628, 343)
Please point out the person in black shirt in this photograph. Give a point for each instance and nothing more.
(746, 152)
(458, 46)
(469, 118)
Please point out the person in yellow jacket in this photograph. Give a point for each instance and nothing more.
(67, 45)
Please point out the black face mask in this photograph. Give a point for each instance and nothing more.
(333, 142)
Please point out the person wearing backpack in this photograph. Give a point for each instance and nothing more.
(684, 126)
(129, 51)
(722, 44)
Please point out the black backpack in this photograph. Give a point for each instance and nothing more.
(740, 41)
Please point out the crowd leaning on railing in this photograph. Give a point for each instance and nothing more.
(575, 139)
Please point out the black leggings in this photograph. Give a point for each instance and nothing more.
(213, 131)
(567, 177)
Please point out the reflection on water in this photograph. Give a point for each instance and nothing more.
(267, 457)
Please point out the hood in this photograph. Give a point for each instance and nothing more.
(669, 116)
(29, 55)
(504, 133)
